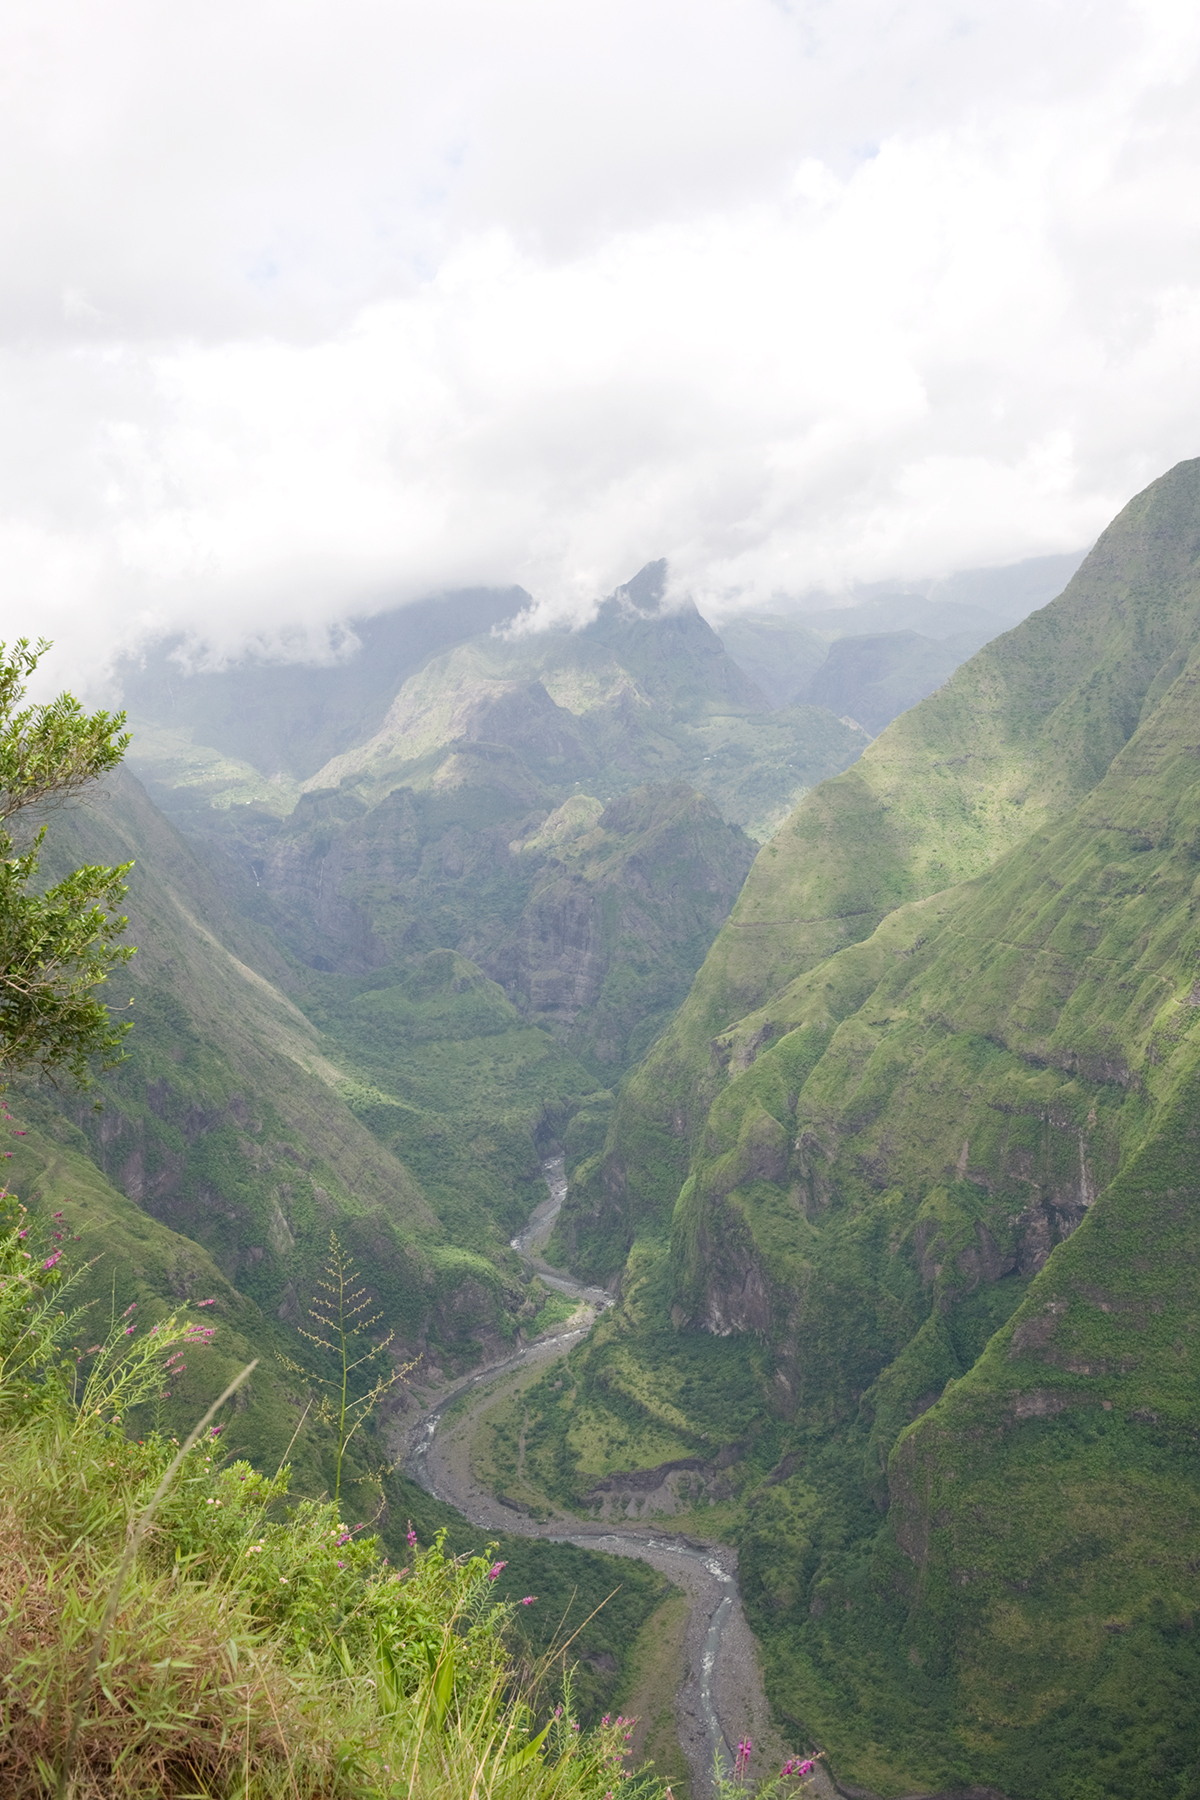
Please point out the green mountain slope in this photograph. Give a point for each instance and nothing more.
(469, 818)
(1016, 737)
(924, 1138)
(514, 720)
(229, 1123)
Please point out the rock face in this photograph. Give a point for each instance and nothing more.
(456, 821)
(609, 935)
(591, 930)
(925, 1138)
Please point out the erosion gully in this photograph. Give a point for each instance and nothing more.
(721, 1697)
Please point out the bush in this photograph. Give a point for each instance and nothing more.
(259, 1648)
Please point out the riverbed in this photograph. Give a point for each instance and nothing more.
(721, 1698)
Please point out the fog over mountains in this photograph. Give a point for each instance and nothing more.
(849, 956)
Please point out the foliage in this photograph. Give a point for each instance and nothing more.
(924, 1135)
(342, 1312)
(795, 1775)
(257, 1648)
(56, 942)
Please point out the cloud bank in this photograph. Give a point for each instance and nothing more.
(311, 310)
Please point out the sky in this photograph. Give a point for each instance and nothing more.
(308, 309)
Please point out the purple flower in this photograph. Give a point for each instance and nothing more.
(495, 1569)
(411, 1535)
(528, 1601)
(51, 1260)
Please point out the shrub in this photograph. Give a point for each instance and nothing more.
(259, 1648)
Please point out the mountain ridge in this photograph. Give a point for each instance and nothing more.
(916, 1158)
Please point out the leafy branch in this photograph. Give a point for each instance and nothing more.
(56, 943)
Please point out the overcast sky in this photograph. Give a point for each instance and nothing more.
(307, 307)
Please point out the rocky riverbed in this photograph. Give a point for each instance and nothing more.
(721, 1697)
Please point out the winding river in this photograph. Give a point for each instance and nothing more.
(721, 1698)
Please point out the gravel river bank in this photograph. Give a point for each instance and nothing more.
(721, 1697)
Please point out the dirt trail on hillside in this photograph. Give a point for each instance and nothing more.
(721, 1698)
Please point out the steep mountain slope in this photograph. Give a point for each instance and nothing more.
(875, 679)
(924, 1136)
(1016, 737)
(783, 651)
(445, 828)
(229, 1123)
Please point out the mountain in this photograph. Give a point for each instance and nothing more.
(876, 678)
(904, 1203)
(437, 697)
(562, 809)
(286, 719)
(921, 634)
(318, 1043)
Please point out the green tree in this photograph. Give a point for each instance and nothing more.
(56, 942)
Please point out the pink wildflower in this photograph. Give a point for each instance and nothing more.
(411, 1535)
(495, 1569)
(529, 1600)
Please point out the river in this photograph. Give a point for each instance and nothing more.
(721, 1698)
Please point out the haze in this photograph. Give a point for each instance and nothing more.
(309, 310)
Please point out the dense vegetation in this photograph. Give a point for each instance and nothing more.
(170, 1624)
(900, 1199)
(917, 1159)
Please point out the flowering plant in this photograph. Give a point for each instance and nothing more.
(793, 1777)
(33, 1320)
(127, 1367)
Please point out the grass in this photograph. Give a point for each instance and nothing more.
(235, 1643)
(949, 1035)
(657, 1671)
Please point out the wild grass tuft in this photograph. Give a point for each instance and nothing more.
(247, 1647)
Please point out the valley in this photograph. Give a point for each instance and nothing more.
(860, 1056)
(714, 1694)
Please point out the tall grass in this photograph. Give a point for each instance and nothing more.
(253, 1647)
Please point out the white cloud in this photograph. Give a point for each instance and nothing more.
(309, 308)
